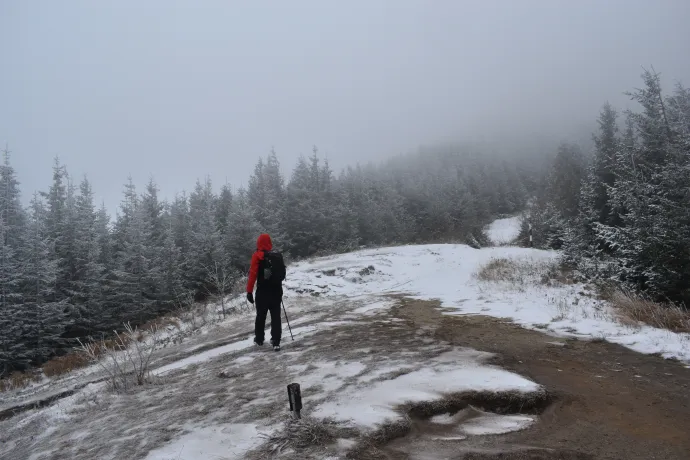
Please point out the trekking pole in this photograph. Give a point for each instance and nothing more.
(288, 321)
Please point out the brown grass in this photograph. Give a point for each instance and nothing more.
(368, 446)
(18, 380)
(634, 309)
(300, 434)
(73, 360)
(501, 269)
(63, 364)
(502, 402)
(521, 272)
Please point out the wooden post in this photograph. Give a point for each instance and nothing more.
(531, 244)
(295, 399)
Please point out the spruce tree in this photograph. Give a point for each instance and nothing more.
(43, 319)
(89, 276)
(205, 244)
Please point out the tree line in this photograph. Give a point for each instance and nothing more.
(623, 213)
(69, 271)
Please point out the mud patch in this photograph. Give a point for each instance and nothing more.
(612, 403)
(450, 424)
(503, 402)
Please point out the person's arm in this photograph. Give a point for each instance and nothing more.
(253, 272)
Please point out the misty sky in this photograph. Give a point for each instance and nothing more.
(181, 89)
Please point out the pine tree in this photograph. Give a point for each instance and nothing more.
(596, 206)
(10, 302)
(223, 210)
(299, 212)
(153, 234)
(173, 292)
(243, 230)
(56, 225)
(12, 269)
(256, 193)
(267, 195)
(87, 292)
(127, 280)
(205, 245)
(43, 318)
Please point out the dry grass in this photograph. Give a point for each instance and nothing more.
(501, 269)
(368, 447)
(64, 364)
(305, 433)
(634, 309)
(160, 323)
(501, 402)
(18, 380)
(520, 272)
(58, 366)
(125, 359)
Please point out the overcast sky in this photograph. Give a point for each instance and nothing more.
(181, 89)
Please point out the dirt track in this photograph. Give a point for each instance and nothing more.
(610, 402)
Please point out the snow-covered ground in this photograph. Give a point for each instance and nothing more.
(217, 396)
(448, 273)
(504, 231)
(355, 364)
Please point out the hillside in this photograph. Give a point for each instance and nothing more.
(402, 352)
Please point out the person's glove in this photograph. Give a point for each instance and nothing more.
(250, 298)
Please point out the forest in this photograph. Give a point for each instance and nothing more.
(622, 214)
(619, 214)
(69, 270)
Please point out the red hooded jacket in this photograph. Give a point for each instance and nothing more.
(263, 243)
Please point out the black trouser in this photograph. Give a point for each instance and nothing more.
(268, 302)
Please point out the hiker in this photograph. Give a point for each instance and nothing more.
(267, 270)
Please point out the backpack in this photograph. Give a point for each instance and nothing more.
(272, 268)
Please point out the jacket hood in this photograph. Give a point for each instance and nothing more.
(263, 243)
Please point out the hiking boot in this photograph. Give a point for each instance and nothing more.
(276, 347)
(258, 344)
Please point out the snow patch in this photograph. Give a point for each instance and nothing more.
(447, 273)
(488, 424)
(205, 356)
(455, 371)
(371, 308)
(330, 376)
(229, 442)
(504, 231)
(443, 419)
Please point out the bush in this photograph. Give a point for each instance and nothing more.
(125, 359)
(635, 309)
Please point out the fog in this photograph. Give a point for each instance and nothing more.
(182, 89)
